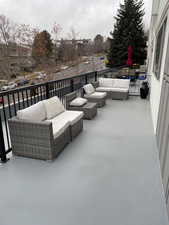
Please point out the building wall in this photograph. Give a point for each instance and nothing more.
(159, 12)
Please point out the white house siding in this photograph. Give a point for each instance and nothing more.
(159, 12)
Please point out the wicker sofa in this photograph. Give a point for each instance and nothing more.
(41, 131)
(115, 88)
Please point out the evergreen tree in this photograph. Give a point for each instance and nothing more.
(128, 31)
(42, 47)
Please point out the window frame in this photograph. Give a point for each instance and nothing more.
(159, 47)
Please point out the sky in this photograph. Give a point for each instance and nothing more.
(87, 17)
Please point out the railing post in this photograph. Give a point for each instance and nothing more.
(47, 91)
(86, 80)
(2, 144)
(95, 75)
(71, 85)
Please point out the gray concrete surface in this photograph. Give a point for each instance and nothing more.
(108, 176)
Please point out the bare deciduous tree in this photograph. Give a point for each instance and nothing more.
(56, 29)
(7, 36)
(12, 35)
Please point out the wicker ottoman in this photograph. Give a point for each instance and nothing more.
(90, 110)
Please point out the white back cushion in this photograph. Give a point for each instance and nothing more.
(53, 107)
(89, 89)
(105, 82)
(121, 83)
(35, 113)
(78, 102)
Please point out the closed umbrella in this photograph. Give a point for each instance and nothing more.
(129, 60)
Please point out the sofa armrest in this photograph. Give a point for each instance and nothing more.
(28, 129)
(70, 97)
(95, 84)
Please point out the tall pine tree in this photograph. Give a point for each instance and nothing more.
(128, 31)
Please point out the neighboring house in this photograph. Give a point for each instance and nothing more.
(158, 68)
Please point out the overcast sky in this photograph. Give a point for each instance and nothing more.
(88, 17)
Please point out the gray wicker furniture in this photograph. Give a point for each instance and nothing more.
(37, 134)
(116, 89)
(36, 140)
(75, 119)
(89, 109)
(93, 96)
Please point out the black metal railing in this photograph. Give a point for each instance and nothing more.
(20, 98)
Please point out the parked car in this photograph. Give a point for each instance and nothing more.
(23, 82)
(12, 85)
(4, 88)
(41, 76)
(9, 86)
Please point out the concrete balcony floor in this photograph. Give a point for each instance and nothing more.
(109, 175)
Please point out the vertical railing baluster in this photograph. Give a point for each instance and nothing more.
(47, 91)
(23, 101)
(95, 75)
(14, 103)
(18, 97)
(27, 98)
(2, 145)
(31, 92)
(5, 121)
(9, 106)
(86, 80)
(71, 85)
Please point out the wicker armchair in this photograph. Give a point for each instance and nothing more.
(93, 96)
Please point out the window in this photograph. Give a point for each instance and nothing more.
(159, 50)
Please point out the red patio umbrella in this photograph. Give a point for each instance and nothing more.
(129, 60)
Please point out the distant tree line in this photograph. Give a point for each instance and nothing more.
(44, 48)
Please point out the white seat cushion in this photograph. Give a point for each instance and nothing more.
(105, 82)
(59, 126)
(97, 95)
(78, 102)
(121, 83)
(53, 107)
(33, 113)
(70, 116)
(89, 89)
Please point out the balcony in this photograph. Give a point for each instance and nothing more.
(109, 174)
